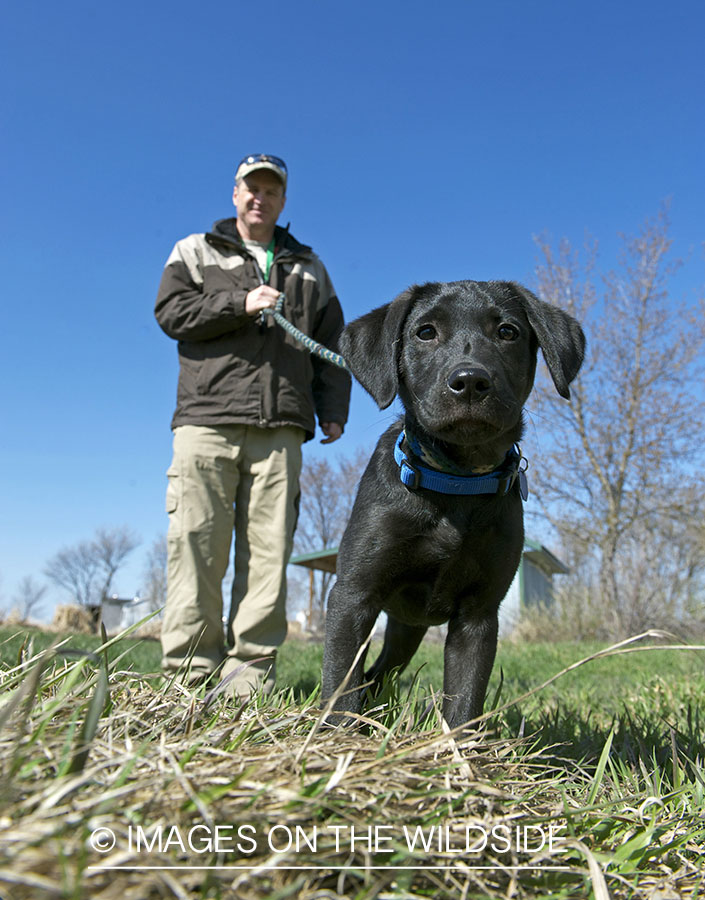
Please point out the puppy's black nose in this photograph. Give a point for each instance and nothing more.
(474, 384)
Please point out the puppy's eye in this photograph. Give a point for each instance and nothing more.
(426, 333)
(508, 332)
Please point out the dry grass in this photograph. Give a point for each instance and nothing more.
(86, 746)
(73, 618)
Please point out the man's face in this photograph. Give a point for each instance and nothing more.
(259, 198)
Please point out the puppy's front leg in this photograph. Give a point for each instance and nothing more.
(470, 650)
(348, 623)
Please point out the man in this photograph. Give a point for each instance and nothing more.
(246, 401)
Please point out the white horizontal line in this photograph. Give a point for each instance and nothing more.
(337, 868)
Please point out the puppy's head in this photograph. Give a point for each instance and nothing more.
(462, 355)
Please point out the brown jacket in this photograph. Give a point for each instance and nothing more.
(233, 368)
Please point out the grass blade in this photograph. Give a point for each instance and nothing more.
(600, 771)
(90, 724)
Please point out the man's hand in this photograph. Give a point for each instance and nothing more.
(332, 431)
(262, 297)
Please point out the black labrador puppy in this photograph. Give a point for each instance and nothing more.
(436, 532)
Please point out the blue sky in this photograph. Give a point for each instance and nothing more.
(424, 141)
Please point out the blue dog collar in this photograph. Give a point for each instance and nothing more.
(415, 476)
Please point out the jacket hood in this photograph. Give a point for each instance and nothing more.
(225, 231)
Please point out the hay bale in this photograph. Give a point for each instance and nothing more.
(76, 619)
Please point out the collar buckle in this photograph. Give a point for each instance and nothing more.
(410, 475)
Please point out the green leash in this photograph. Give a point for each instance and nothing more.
(312, 346)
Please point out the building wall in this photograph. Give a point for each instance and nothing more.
(538, 590)
(535, 587)
(118, 616)
(509, 610)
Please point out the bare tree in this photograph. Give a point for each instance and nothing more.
(327, 494)
(75, 569)
(87, 570)
(622, 481)
(154, 589)
(28, 597)
(111, 547)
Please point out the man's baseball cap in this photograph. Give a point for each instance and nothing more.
(261, 161)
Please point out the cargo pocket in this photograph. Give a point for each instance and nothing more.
(173, 491)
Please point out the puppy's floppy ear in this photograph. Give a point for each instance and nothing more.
(560, 338)
(371, 345)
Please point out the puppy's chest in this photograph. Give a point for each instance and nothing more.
(441, 566)
(450, 551)
(445, 538)
(462, 556)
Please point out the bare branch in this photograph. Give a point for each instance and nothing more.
(28, 598)
(87, 570)
(612, 481)
(327, 495)
(154, 588)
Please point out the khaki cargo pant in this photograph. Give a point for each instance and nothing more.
(223, 478)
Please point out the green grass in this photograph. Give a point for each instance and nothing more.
(138, 654)
(637, 691)
(638, 697)
(612, 752)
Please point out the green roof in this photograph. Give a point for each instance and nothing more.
(324, 560)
